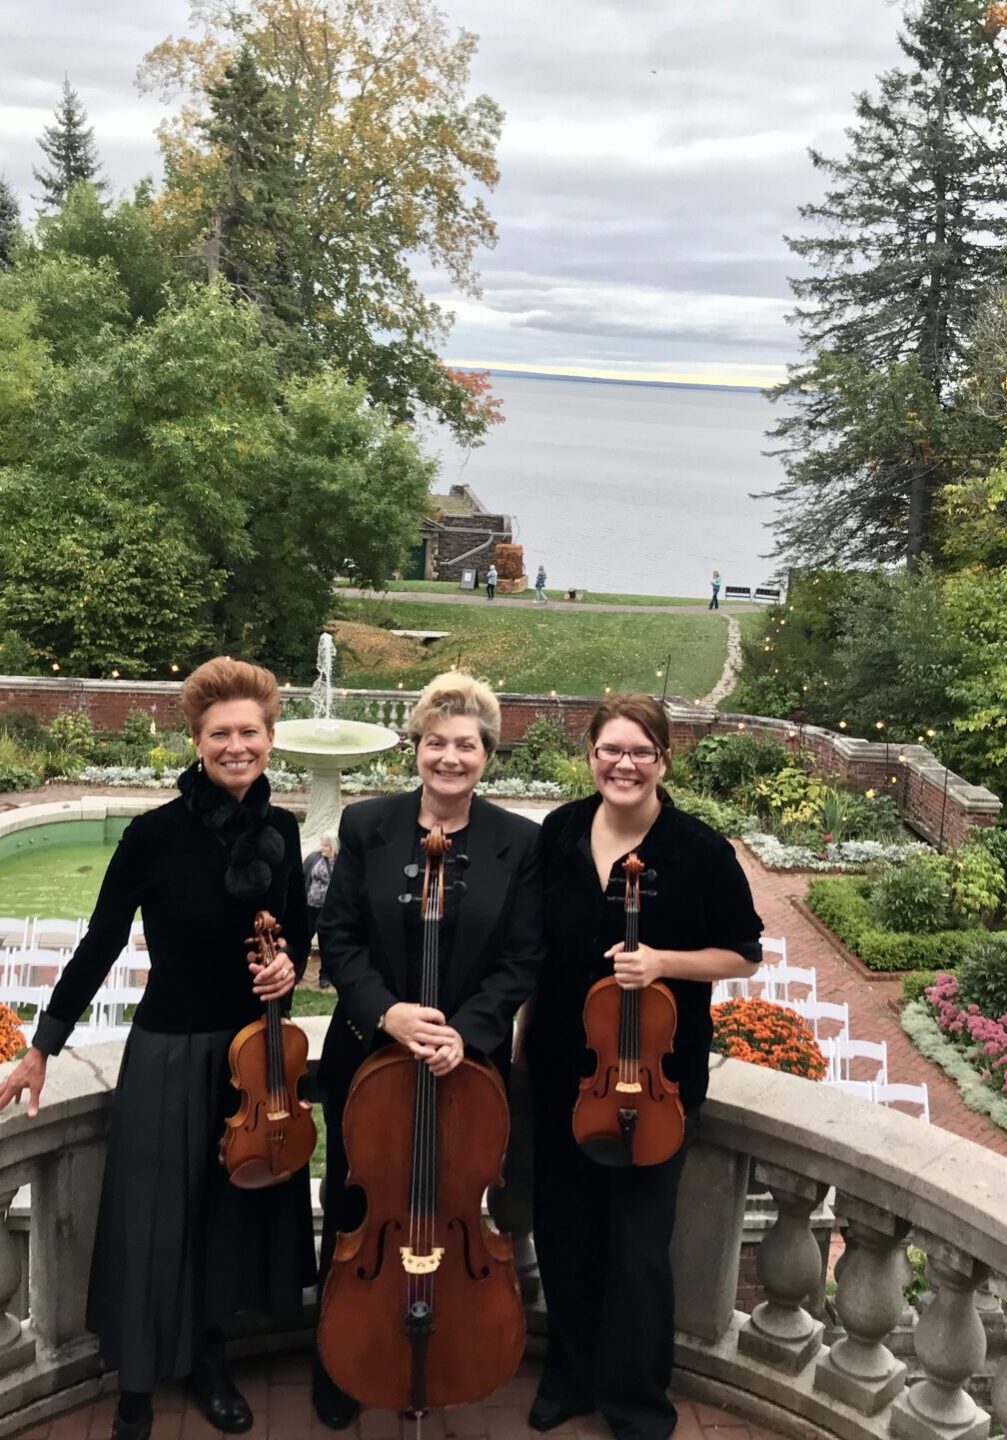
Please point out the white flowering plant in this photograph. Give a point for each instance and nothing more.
(853, 856)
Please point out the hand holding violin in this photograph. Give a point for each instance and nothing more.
(635, 969)
(278, 978)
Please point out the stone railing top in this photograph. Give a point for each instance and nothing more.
(938, 1181)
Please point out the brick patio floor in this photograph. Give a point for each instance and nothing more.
(279, 1390)
(868, 999)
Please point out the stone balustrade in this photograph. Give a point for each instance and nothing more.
(894, 1179)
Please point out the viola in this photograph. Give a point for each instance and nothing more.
(421, 1306)
(628, 1112)
(272, 1133)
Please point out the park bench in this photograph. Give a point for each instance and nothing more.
(737, 592)
(575, 594)
(767, 593)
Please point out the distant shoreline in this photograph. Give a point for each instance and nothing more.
(607, 380)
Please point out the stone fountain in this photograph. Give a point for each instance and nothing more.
(327, 746)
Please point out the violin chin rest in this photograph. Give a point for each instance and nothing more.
(256, 1175)
(607, 1150)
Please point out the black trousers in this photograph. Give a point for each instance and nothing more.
(603, 1238)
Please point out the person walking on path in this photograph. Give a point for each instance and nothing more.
(540, 596)
(491, 582)
(715, 587)
(317, 874)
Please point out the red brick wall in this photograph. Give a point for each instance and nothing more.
(936, 802)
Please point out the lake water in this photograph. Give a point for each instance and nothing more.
(628, 487)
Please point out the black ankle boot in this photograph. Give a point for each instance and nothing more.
(216, 1393)
(333, 1406)
(132, 1429)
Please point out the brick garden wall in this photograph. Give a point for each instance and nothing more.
(936, 802)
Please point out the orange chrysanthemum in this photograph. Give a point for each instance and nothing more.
(768, 1035)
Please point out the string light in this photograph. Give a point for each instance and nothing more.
(842, 724)
(115, 674)
(399, 686)
(174, 668)
(879, 724)
(55, 664)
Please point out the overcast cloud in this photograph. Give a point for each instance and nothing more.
(653, 156)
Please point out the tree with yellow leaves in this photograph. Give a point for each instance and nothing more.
(324, 150)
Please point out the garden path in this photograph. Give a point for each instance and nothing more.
(521, 602)
(279, 1390)
(870, 1001)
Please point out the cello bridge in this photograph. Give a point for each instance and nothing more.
(420, 1264)
(629, 1087)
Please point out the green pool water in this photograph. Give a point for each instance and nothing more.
(56, 869)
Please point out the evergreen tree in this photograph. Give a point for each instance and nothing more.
(9, 221)
(69, 147)
(907, 237)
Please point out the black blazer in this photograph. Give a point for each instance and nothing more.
(498, 946)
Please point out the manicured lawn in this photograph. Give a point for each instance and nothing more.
(537, 650)
(588, 597)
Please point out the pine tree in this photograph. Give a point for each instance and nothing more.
(906, 239)
(9, 221)
(69, 146)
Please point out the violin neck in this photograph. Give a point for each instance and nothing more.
(275, 1062)
(629, 1008)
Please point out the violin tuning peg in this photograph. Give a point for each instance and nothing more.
(648, 892)
(649, 876)
(407, 899)
(615, 899)
(411, 871)
(461, 861)
(460, 886)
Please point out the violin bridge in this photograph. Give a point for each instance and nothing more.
(420, 1264)
(273, 1115)
(629, 1087)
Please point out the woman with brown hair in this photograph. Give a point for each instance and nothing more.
(178, 1249)
(372, 946)
(603, 1234)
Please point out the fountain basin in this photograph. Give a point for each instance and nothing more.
(327, 747)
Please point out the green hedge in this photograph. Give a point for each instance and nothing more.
(842, 904)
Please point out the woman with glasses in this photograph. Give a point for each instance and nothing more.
(603, 1233)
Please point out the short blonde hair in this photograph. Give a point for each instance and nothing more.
(227, 679)
(457, 693)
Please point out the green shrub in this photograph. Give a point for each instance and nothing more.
(680, 774)
(993, 839)
(978, 884)
(136, 727)
(120, 752)
(574, 774)
(840, 810)
(23, 725)
(72, 731)
(17, 771)
(982, 975)
(789, 799)
(877, 818)
(723, 763)
(16, 655)
(843, 904)
(58, 764)
(915, 896)
(914, 984)
(718, 814)
(542, 742)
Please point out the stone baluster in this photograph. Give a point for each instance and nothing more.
(999, 1395)
(13, 1342)
(951, 1348)
(780, 1331)
(859, 1369)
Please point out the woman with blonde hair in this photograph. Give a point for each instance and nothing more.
(179, 1250)
(371, 945)
(603, 1233)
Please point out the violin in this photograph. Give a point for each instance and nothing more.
(272, 1134)
(628, 1112)
(421, 1306)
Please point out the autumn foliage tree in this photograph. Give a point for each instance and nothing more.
(351, 118)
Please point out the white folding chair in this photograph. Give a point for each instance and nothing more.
(863, 1088)
(21, 997)
(31, 966)
(137, 939)
(782, 977)
(915, 1095)
(719, 993)
(13, 932)
(817, 1011)
(59, 933)
(775, 948)
(873, 1052)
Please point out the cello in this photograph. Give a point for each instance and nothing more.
(272, 1133)
(628, 1112)
(421, 1306)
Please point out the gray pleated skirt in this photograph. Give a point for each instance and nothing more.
(178, 1248)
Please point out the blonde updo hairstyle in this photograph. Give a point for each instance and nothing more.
(457, 693)
(227, 679)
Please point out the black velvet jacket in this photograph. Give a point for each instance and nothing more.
(702, 900)
(171, 867)
(497, 946)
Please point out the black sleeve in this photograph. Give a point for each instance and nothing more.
(343, 939)
(733, 922)
(295, 912)
(486, 1020)
(106, 938)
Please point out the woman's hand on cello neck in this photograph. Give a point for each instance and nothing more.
(425, 1032)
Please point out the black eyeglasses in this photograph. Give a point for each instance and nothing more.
(640, 754)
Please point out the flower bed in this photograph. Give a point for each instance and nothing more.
(842, 905)
(11, 1037)
(920, 1025)
(853, 856)
(767, 1035)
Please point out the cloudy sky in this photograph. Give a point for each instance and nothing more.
(654, 154)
